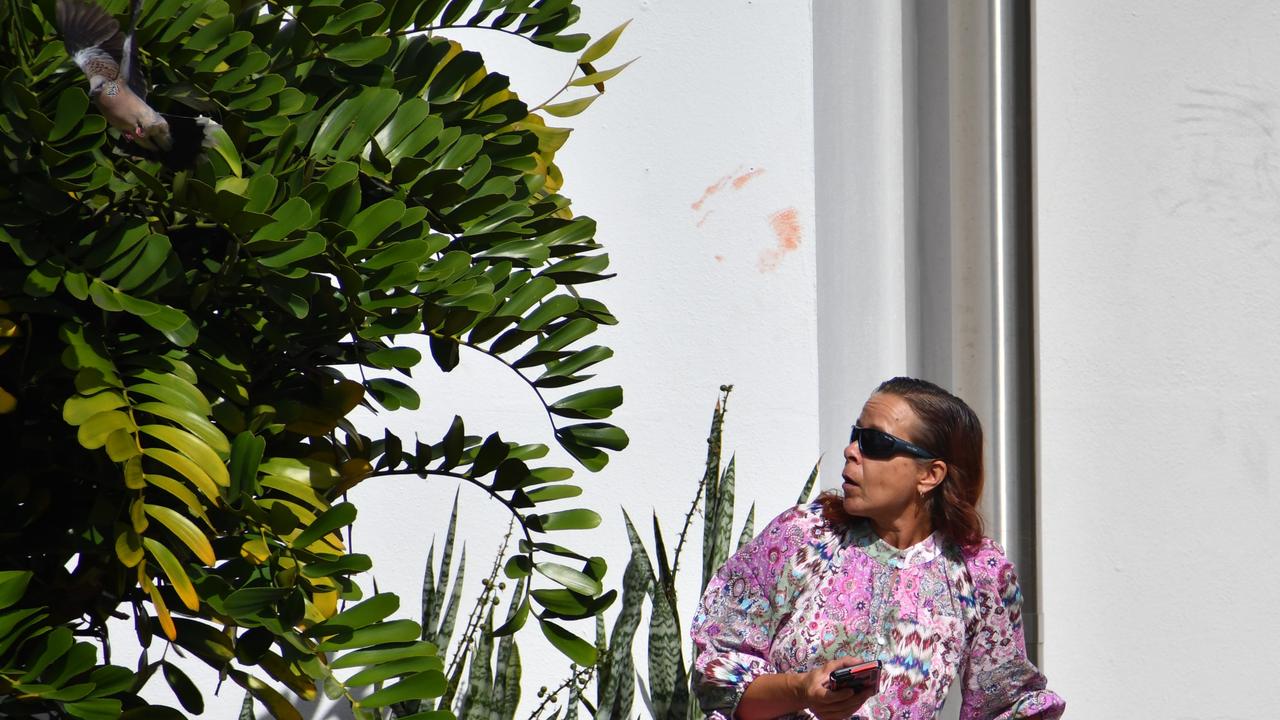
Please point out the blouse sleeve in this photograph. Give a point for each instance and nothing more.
(1000, 682)
(735, 622)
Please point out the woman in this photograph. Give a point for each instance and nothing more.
(895, 569)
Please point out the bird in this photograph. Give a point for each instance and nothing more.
(109, 60)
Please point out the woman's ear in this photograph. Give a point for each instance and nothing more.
(931, 476)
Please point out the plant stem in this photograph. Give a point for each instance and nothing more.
(722, 406)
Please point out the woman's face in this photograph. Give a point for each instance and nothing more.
(884, 490)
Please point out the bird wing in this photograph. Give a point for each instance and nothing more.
(92, 37)
(131, 69)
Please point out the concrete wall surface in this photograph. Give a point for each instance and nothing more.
(1159, 323)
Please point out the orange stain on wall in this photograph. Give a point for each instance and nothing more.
(745, 178)
(712, 189)
(786, 226)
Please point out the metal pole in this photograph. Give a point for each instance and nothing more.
(1013, 471)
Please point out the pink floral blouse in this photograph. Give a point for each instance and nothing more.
(804, 592)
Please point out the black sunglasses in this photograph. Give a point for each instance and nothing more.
(880, 445)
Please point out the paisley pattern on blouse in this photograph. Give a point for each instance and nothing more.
(804, 592)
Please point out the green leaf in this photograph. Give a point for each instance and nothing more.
(360, 52)
(428, 684)
(552, 308)
(575, 648)
(94, 709)
(343, 21)
(185, 690)
(395, 357)
(294, 214)
(601, 435)
(249, 601)
(574, 580)
(310, 245)
(55, 645)
(393, 394)
(376, 608)
(516, 616)
(246, 455)
(13, 583)
(394, 669)
(580, 519)
(384, 654)
(378, 633)
(277, 705)
(371, 221)
(553, 492)
(155, 252)
(589, 404)
(218, 139)
(72, 104)
(338, 516)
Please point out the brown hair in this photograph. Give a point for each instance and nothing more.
(949, 428)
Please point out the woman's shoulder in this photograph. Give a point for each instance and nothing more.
(806, 516)
(794, 527)
(989, 566)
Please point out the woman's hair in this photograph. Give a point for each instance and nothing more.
(949, 428)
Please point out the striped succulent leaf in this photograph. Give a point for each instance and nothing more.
(720, 520)
(808, 485)
(507, 672)
(711, 473)
(748, 528)
(617, 686)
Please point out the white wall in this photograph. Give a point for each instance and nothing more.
(717, 113)
(1159, 326)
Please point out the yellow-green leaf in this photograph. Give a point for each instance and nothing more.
(133, 477)
(122, 446)
(185, 530)
(255, 551)
(601, 47)
(196, 424)
(191, 446)
(173, 570)
(220, 141)
(572, 107)
(179, 491)
(601, 76)
(162, 612)
(302, 491)
(185, 468)
(129, 548)
(93, 433)
(137, 516)
(77, 409)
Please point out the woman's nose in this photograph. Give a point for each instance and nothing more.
(851, 452)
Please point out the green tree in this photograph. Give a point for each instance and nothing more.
(179, 350)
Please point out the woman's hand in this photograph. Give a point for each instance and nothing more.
(827, 702)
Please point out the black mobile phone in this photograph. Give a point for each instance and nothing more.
(857, 677)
